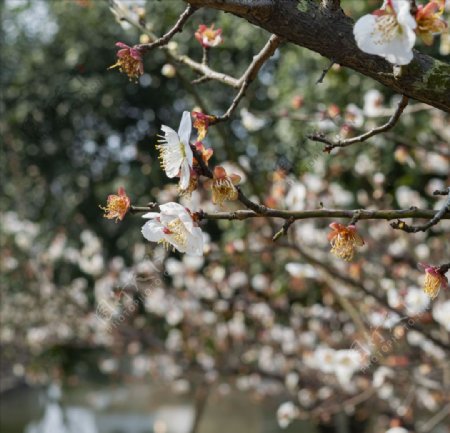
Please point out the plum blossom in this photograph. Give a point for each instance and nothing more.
(388, 32)
(129, 61)
(175, 152)
(223, 186)
(174, 226)
(428, 20)
(208, 37)
(344, 240)
(117, 205)
(434, 280)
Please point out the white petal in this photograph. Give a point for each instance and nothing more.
(185, 129)
(152, 231)
(172, 208)
(195, 243)
(185, 175)
(404, 17)
(151, 215)
(189, 154)
(170, 135)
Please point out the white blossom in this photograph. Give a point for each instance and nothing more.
(175, 152)
(174, 226)
(388, 32)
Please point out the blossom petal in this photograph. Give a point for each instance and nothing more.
(151, 215)
(185, 175)
(195, 243)
(152, 231)
(184, 131)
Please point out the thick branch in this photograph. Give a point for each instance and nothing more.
(330, 33)
(331, 144)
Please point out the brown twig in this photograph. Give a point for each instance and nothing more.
(164, 40)
(283, 231)
(325, 72)
(331, 144)
(401, 225)
(251, 73)
(258, 210)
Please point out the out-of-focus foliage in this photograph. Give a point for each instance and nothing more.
(73, 132)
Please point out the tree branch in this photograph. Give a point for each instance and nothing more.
(251, 73)
(330, 33)
(178, 27)
(257, 211)
(331, 144)
(400, 225)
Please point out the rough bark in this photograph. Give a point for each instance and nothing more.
(329, 32)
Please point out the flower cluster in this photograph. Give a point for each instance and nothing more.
(390, 32)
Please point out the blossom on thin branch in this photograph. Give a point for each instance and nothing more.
(223, 186)
(434, 280)
(344, 240)
(388, 32)
(175, 152)
(117, 205)
(174, 226)
(208, 37)
(129, 61)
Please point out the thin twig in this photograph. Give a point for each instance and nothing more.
(284, 230)
(251, 73)
(331, 144)
(325, 72)
(164, 40)
(401, 225)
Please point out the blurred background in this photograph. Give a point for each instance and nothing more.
(103, 332)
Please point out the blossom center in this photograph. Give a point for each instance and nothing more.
(177, 232)
(386, 29)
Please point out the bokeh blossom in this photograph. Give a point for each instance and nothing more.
(344, 240)
(174, 226)
(129, 61)
(388, 32)
(175, 152)
(223, 186)
(117, 205)
(208, 37)
(434, 280)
